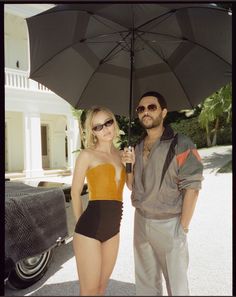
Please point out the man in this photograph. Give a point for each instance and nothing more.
(165, 183)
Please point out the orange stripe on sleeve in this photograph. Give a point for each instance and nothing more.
(182, 157)
(196, 154)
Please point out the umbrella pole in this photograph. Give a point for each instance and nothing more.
(129, 165)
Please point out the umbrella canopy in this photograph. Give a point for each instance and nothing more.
(110, 54)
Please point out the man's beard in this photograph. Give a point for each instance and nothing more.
(156, 122)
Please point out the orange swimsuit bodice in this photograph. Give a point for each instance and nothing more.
(102, 184)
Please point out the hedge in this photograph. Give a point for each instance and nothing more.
(191, 128)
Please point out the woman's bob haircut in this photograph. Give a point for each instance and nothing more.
(90, 138)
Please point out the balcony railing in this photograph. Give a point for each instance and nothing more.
(19, 79)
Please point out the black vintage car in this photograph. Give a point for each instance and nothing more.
(35, 223)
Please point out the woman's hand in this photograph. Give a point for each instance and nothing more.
(128, 156)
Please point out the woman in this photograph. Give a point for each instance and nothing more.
(96, 237)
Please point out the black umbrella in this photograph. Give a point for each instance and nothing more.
(109, 54)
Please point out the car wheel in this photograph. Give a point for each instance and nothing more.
(29, 271)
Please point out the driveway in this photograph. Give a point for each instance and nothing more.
(210, 243)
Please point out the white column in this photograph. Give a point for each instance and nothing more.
(73, 140)
(32, 145)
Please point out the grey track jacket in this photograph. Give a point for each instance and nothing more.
(158, 189)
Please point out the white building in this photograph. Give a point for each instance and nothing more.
(40, 130)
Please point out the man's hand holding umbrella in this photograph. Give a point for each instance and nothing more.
(128, 157)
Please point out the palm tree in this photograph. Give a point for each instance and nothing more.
(214, 107)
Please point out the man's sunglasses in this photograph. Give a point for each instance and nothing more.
(150, 107)
(100, 127)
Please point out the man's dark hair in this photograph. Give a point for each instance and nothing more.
(160, 98)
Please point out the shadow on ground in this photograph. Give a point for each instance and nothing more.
(115, 288)
(215, 161)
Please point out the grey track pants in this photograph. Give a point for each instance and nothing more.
(160, 246)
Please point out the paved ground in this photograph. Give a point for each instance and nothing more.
(210, 243)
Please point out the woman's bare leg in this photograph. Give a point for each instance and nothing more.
(88, 254)
(109, 251)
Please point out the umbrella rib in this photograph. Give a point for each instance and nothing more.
(168, 14)
(124, 38)
(101, 62)
(110, 58)
(112, 50)
(103, 35)
(190, 41)
(95, 16)
(68, 46)
(170, 69)
(172, 11)
(157, 33)
(99, 42)
(76, 106)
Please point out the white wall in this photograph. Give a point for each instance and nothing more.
(15, 146)
(16, 44)
(20, 101)
(15, 138)
(57, 125)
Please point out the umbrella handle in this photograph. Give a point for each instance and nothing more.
(128, 166)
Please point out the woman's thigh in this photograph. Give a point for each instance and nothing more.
(88, 255)
(109, 251)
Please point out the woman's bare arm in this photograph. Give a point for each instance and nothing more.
(81, 167)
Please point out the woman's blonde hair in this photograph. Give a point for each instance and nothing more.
(90, 140)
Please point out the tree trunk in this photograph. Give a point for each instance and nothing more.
(214, 141)
(208, 138)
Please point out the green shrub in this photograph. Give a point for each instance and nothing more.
(191, 128)
(224, 136)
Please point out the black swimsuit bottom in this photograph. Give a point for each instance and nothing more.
(101, 219)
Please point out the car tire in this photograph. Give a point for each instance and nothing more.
(29, 271)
